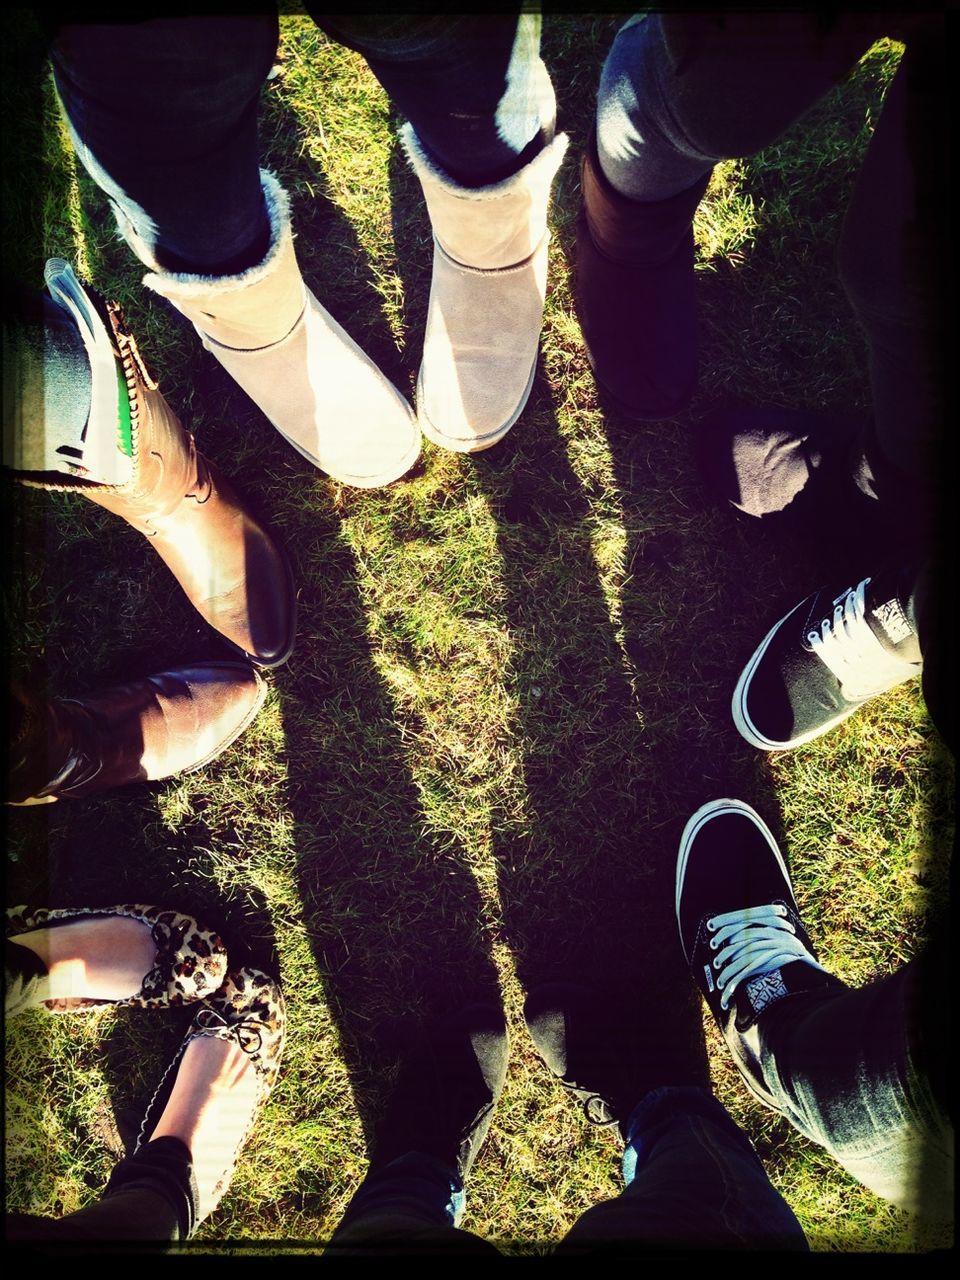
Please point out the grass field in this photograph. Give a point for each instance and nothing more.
(510, 690)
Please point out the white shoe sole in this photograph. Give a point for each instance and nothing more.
(377, 481)
(741, 717)
(470, 444)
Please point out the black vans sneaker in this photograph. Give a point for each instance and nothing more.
(443, 1101)
(826, 658)
(740, 927)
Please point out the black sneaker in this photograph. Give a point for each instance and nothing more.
(832, 653)
(740, 927)
(601, 1052)
(442, 1103)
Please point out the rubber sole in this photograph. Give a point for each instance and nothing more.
(476, 444)
(741, 717)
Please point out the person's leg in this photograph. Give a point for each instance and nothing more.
(411, 1205)
(151, 1196)
(195, 1126)
(77, 958)
(480, 137)
(861, 1073)
(678, 93)
(164, 117)
(436, 1118)
(136, 460)
(693, 1181)
(472, 86)
(893, 248)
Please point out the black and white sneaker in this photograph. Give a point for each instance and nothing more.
(827, 657)
(740, 927)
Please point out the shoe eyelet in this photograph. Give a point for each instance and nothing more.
(711, 925)
(713, 944)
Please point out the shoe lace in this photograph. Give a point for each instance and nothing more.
(247, 1032)
(753, 942)
(845, 643)
(204, 486)
(597, 1109)
(168, 942)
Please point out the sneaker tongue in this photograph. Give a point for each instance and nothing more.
(890, 621)
(756, 995)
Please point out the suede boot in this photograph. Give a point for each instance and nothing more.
(230, 568)
(635, 294)
(486, 298)
(302, 370)
(152, 728)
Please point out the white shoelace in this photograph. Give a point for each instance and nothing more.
(846, 644)
(753, 942)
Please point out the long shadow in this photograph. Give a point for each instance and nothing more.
(395, 919)
(624, 735)
(368, 876)
(586, 886)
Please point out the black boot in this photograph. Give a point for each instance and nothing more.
(607, 1056)
(635, 294)
(445, 1094)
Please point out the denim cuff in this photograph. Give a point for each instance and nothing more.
(416, 1186)
(654, 1113)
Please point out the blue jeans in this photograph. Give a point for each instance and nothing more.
(164, 114)
(693, 1182)
(680, 91)
(864, 1074)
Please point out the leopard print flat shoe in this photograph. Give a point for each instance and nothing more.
(190, 964)
(248, 1009)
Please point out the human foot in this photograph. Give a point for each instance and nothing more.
(127, 955)
(212, 1092)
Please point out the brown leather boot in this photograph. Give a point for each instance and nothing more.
(151, 728)
(227, 563)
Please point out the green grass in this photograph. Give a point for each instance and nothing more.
(510, 689)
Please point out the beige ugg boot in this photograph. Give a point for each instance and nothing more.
(486, 298)
(307, 375)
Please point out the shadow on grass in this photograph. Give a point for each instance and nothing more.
(394, 918)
